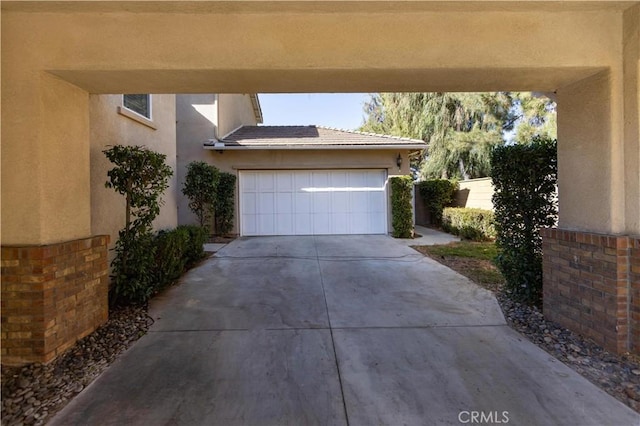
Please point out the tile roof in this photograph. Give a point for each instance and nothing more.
(278, 137)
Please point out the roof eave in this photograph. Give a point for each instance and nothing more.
(312, 147)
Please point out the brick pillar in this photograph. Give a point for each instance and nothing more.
(52, 295)
(592, 286)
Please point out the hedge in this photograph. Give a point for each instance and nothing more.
(437, 194)
(472, 224)
(524, 178)
(177, 250)
(401, 207)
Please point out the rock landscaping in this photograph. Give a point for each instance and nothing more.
(618, 375)
(34, 393)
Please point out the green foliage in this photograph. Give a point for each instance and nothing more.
(472, 224)
(200, 187)
(524, 178)
(170, 256)
(225, 203)
(401, 208)
(141, 176)
(537, 117)
(461, 129)
(437, 194)
(132, 278)
(194, 251)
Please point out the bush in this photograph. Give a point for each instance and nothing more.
(401, 208)
(175, 251)
(524, 177)
(142, 176)
(437, 194)
(472, 224)
(225, 203)
(194, 251)
(171, 247)
(200, 187)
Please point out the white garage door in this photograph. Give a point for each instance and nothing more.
(313, 202)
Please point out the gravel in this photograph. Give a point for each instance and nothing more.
(618, 375)
(33, 393)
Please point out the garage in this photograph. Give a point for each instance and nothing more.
(313, 202)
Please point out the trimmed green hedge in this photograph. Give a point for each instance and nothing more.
(225, 203)
(177, 250)
(437, 194)
(401, 208)
(472, 224)
(524, 178)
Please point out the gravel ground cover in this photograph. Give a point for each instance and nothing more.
(34, 393)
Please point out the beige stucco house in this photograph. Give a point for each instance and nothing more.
(57, 55)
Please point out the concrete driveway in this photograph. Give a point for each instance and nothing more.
(357, 330)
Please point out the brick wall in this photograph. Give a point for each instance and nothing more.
(634, 283)
(591, 286)
(52, 295)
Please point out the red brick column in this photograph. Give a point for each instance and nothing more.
(592, 286)
(52, 295)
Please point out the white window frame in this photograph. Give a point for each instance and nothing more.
(136, 116)
(150, 117)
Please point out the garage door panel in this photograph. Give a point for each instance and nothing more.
(249, 203)
(284, 224)
(266, 205)
(302, 202)
(303, 225)
(339, 223)
(284, 182)
(321, 202)
(340, 202)
(308, 202)
(266, 182)
(249, 182)
(284, 203)
(266, 224)
(320, 224)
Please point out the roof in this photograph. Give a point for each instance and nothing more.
(309, 137)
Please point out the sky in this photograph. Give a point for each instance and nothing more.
(339, 110)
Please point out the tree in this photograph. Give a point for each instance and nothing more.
(142, 176)
(536, 117)
(200, 187)
(461, 129)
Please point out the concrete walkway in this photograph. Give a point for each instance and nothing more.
(357, 330)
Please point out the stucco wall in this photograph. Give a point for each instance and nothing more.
(108, 127)
(233, 112)
(475, 193)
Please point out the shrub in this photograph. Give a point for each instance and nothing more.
(225, 203)
(437, 194)
(170, 256)
(194, 251)
(401, 208)
(141, 175)
(472, 224)
(200, 187)
(524, 177)
(177, 250)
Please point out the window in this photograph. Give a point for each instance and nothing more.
(140, 104)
